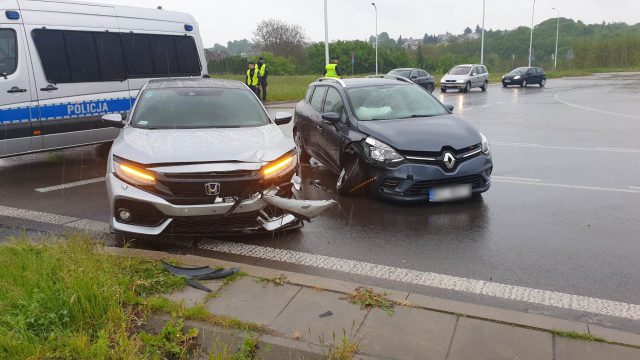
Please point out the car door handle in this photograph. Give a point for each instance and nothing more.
(15, 90)
(49, 88)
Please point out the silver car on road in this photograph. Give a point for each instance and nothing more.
(203, 157)
(465, 77)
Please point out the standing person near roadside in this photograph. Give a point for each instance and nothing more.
(333, 70)
(263, 73)
(252, 79)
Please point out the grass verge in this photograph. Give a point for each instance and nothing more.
(64, 299)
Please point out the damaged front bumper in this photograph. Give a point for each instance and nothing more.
(152, 215)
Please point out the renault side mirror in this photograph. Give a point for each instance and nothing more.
(331, 117)
(282, 118)
(114, 120)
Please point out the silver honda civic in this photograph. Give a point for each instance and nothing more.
(203, 157)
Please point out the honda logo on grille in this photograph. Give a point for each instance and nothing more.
(212, 189)
(449, 160)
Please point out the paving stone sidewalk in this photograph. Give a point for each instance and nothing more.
(304, 314)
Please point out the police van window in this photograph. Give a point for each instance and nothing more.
(110, 56)
(8, 52)
(188, 59)
(138, 55)
(163, 54)
(83, 59)
(317, 100)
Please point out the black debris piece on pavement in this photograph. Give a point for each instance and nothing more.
(326, 314)
(199, 273)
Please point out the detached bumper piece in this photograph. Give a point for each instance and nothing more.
(199, 273)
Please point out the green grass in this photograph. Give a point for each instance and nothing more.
(577, 336)
(63, 299)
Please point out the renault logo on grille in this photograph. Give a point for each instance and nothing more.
(212, 189)
(449, 160)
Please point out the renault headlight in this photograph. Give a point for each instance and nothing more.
(485, 145)
(282, 165)
(133, 174)
(517, 77)
(382, 152)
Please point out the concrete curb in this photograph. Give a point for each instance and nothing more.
(486, 313)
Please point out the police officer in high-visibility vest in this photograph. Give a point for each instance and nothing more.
(252, 80)
(333, 70)
(263, 73)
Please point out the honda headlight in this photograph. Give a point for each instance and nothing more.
(382, 152)
(517, 77)
(280, 166)
(485, 144)
(133, 174)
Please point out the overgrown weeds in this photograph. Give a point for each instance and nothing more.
(368, 299)
(276, 281)
(577, 336)
(62, 299)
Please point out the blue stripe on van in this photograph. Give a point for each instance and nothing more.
(66, 110)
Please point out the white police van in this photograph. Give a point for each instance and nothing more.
(64, 64)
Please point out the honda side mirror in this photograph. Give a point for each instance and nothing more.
(114, 120)
(282, 118)
(474, 74)
(331, 117)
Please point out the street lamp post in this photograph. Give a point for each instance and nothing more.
(555, 57)
(326, 35)
(482, 41)
(531, 39)
(376, 9)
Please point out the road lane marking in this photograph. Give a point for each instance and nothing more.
(604, 149)
(634, 187)
(70, 185)
(576, 187)
(480, 287)
(514, 178)
(557, 97)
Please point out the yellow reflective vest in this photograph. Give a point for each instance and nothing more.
(261, 69)
(331, 71)
(252, 81)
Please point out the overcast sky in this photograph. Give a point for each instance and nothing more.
(225, 20)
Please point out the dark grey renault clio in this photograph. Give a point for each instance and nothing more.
(393, 138)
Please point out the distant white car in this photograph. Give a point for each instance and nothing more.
(465, 77)
(202, 157)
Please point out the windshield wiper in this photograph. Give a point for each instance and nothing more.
(415, 116)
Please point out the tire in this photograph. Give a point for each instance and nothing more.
(351, 176)
(430, 87)
(303, 155)
(115, 240)
(484, 86)
(504, 85)
(524, 83)
(543, 82)
(443, 90)
(467, 88)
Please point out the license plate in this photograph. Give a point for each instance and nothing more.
(450, 193)
(507, 81)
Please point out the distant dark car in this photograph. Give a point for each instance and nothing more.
(418, 76)
(524, 76)
(393, 139)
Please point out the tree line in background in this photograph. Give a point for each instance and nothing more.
(581, 46)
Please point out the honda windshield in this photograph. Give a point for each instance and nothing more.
(388, 102)
(192, 108)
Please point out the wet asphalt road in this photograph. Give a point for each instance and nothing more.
(563, 213)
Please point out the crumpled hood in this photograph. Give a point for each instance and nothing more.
(255, 144)
(423, 134)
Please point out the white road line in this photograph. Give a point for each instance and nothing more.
(70, 185)
(557, 97)
(634, 187)
(635, 151)
(510, 292)
(514, 178)
(576, 187)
